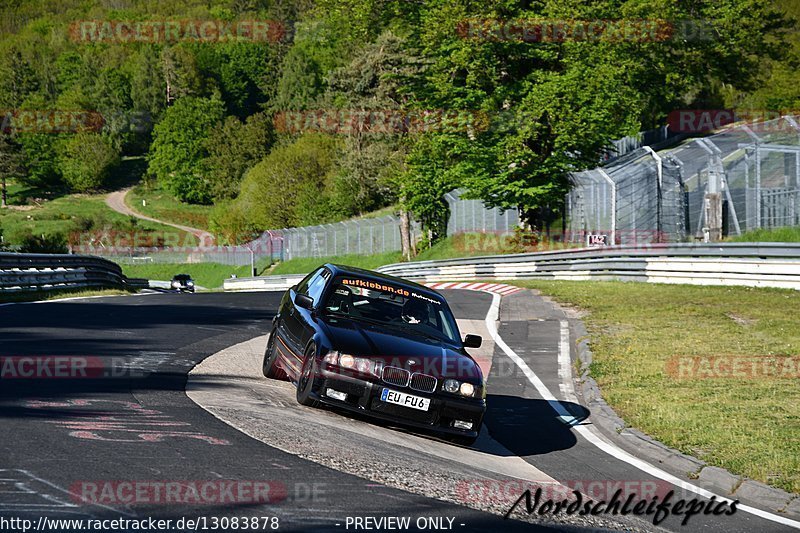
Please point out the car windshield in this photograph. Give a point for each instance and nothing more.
(393, 306)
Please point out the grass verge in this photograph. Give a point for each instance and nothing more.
(161, 205)
(750, 426)
(789, 234)
(76, 215)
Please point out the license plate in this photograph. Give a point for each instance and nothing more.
(406, 400)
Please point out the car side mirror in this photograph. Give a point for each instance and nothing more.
(473, 341)
(305, 301)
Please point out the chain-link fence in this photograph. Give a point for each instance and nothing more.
(364, 236)
(265, 249)
(474, 216)
(648, 196)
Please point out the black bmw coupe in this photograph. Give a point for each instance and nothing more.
(380, 346)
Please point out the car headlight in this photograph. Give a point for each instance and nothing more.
(190, 283)
(360, 364)
(454, 386)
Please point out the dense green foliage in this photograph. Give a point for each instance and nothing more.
(517, 118)
(85, 160)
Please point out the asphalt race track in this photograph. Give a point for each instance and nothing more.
(111, 446)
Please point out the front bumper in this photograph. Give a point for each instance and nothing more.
(364, 397)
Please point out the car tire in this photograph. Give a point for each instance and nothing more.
(269, 367)
(307, 380)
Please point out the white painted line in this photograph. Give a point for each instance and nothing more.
(461, 285)
(601, 443)
(491, 324)
(444, 285)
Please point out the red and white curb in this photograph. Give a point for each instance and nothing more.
(494, 288)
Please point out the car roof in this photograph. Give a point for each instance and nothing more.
(378, 276)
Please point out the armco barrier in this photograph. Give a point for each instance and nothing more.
(43, 272)
(262, 283)
(745, 264)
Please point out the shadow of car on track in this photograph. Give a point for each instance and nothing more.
(515, 426)
(525, 426)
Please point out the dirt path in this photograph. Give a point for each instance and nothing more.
(116, 201)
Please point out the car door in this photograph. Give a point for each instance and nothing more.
(287, 326)
(293, 317)
(305, 318)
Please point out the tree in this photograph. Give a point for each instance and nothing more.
(86, 160)
(556, 106)
(17, 79)
(181, 75)
(148, 85)
(10, 164)
(382, 78)
(233, 149)
(287, 188)
(179, 147)
(40, 158)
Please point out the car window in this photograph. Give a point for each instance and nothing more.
(302, 287)
(317, 285)
(394, 306)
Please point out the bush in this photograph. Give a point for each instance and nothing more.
(288, 187)
(55, 243)
(231, 225)
(86, 160)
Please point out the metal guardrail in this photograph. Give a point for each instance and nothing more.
(44, 272)
(745, 264)
(262, 283)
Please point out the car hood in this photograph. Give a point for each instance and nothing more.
(404, 350)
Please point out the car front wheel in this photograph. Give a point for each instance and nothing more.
(307, 380)
(269, 367)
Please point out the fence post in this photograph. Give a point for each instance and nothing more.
(659, 195)
(613, 205)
